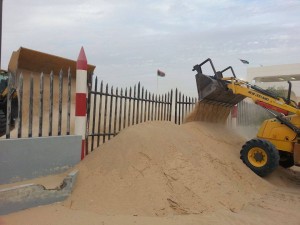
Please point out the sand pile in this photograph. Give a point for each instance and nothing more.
(209, 112)
(155, 172)
(158, 168)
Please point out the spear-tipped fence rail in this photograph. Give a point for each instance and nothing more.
(113, 109)
(36, 97)
(109, 109)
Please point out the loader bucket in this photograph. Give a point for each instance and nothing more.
(214, 90)
(35, 61)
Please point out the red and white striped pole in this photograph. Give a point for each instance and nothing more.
(234, 114)
(80, 104)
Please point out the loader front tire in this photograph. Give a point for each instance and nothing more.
(260, 156)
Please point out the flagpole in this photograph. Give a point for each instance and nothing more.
(156, 84)
(159, 74)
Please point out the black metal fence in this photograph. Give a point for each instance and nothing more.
(183, 106)
(111, 110)
(250, 114)
(38, 106)
(45, 107)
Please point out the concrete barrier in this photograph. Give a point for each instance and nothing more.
(31, 195)
(28, 158)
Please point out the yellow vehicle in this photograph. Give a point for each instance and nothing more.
(278, 139)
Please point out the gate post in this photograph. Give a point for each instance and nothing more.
(80, 102)
(234, 113)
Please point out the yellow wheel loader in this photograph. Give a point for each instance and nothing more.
(4, 95)
(278, 139)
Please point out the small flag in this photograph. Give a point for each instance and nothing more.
(160, 73)
(244, 61)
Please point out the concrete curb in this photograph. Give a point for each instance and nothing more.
(31, 195)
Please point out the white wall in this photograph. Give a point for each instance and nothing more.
(277, 75)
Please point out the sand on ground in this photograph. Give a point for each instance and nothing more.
(159, 172)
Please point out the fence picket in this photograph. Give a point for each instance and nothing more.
(176, 94)
(94, 112)
(105, 111)
(88, 116)
(8, 106)
(138, 104)
(142, 105)
(159, 105)
(189, 104)
(51, 105)
(182, 108)
(129, 107)
(41, 105)
(30, 114)
(179, 110)
(149, 105)
(133, 107)
(99, 113)
(155, 109)
(152, 108)
(120, 109)
(145, 103)
(162, 107)
(60, 102)
(20, 104)
(115, 117)
(110, 113)
(125, 104)
(69, 102)
(170, 105)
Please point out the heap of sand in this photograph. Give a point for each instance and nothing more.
(156, 172)
(158, 168)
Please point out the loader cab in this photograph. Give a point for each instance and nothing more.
(3, 81)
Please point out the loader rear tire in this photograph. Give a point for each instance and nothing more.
(286, 159)
(2, 123)
(260, 156)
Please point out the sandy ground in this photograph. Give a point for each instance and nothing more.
(162, 173)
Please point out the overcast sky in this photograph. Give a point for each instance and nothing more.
(129, 40)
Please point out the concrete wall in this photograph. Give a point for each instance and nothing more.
(276, 76)
(289, 70)
(28, 158)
